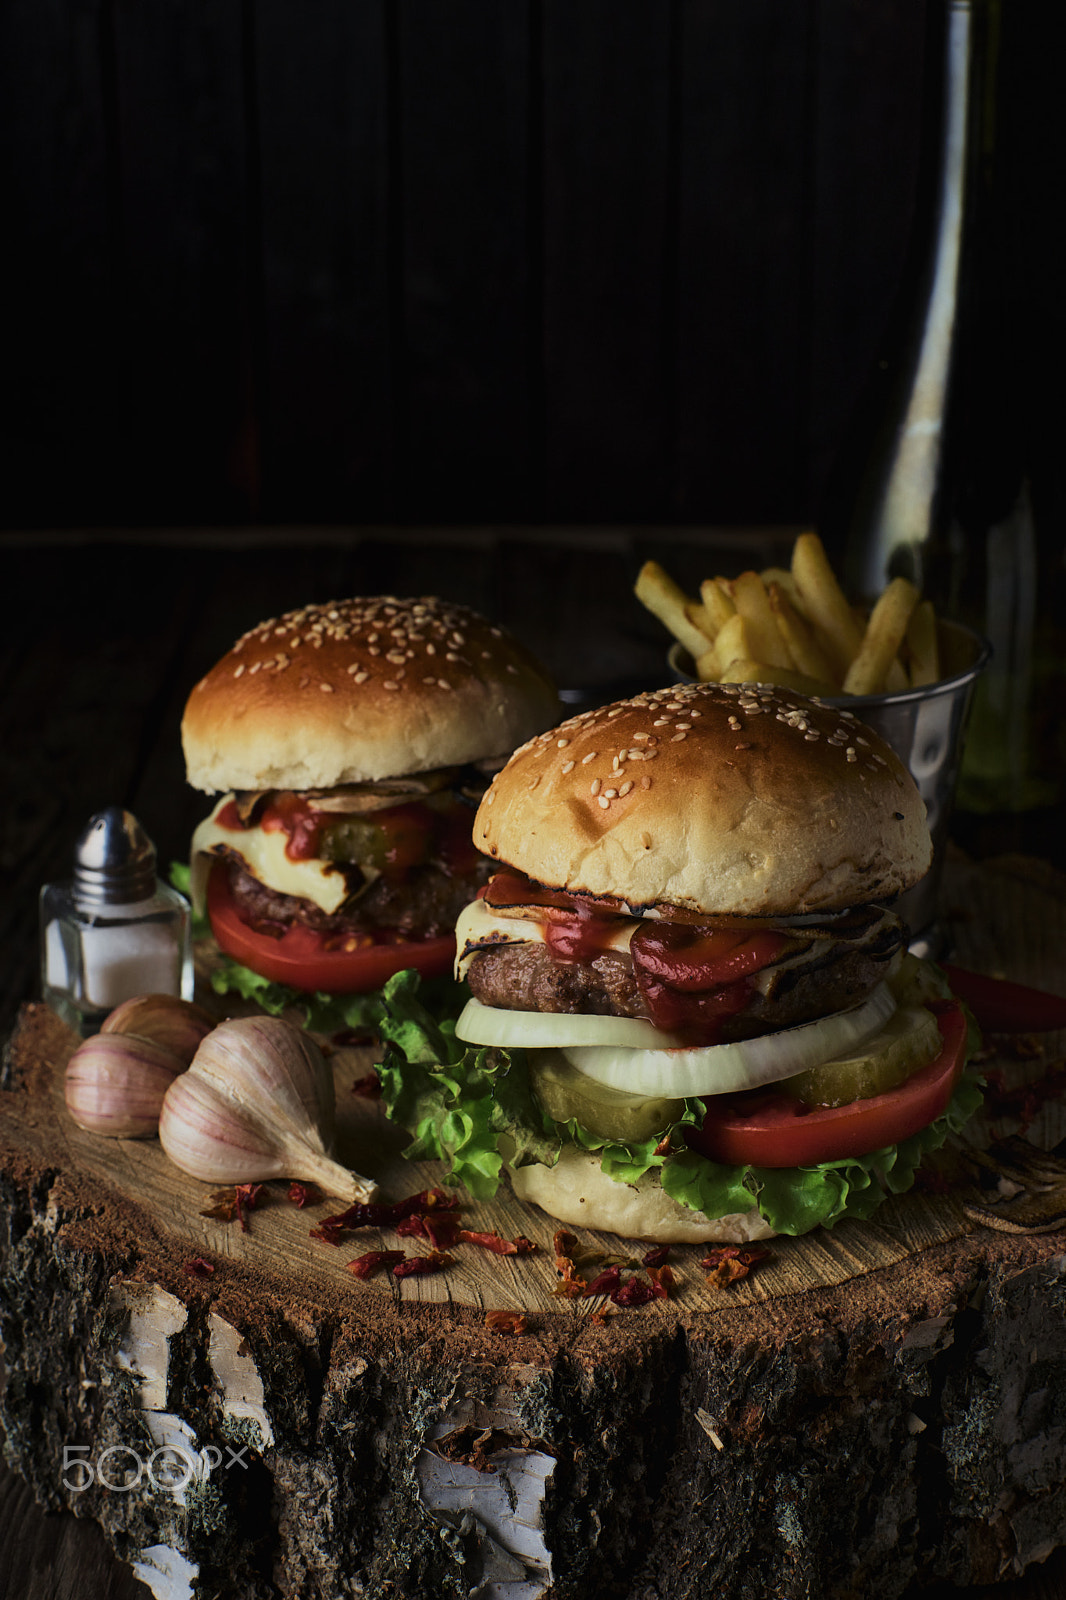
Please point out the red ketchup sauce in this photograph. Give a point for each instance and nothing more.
(692, 975)
(413, 833)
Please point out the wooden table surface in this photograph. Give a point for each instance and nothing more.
(106, 637)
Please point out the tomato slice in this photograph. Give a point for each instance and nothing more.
(302, 958)
(768, 1129)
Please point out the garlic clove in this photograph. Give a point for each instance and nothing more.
(115, 1085)
(164, 1018)
(257, 1103)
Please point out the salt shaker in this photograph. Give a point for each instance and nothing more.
(114, 930)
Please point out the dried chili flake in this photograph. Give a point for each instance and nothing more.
(498, 1245)
(656, 1257)
(365, 1266)
(368, 1088)
(198, 1267)
(564, 1244)
(247, 1198)
(605, 1282)
(421, 1266)
(225, 1204)
(441, 1230)
(663, 1280)
(634, 1292)
(512, 1322)
(728, 1263)
(304, 1194)
(373, 1214)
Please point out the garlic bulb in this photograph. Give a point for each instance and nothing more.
(115, 1084)
(163, 1018)
(257, 1103)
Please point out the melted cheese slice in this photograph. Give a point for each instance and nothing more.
(482, 927)
(264, 855)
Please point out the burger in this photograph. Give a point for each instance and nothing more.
(349, 744)
(694, 1015)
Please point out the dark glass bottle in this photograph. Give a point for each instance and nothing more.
(961, 489)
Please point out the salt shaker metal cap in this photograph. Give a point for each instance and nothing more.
(114, 860)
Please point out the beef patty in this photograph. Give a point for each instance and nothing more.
(825, 975)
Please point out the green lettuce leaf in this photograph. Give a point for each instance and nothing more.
(470, 1106)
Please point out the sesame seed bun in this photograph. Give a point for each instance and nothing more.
(725, 798)
(354, 691)
(578, 1191)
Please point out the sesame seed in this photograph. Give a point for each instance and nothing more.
(590, 757)
(373, 650)
(626, 787)
(645, 783)
(678, 737)
(534, 780)
(610, 794)
(390, 683)
(254, 668)
(361, 677)
(443, 683)
(743, 746)
(604, 802)
(568, 766)
(661, 722)
(327, 688)
(431, 649)
(239, 670)
(562, 743)
(594, 786)
(850, 753)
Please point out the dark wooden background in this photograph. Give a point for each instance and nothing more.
(535, 261)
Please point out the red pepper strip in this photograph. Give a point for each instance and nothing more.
(374, 1215)
(501, 1247)
(365, 1266)
(1004, 1007)
(420, 1266)
(441, 1230)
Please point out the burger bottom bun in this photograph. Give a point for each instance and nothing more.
(578, 1191)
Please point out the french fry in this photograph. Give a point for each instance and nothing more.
(787, 584)
(807, 654)
(781, 677)
(794, 627)
(923, 648)
(824, 602)
(700, 617)
(666, 600)
(716, 603)
(764, 636)
(884, 634)
(733, 643)
(708, 667)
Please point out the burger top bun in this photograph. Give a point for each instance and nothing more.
(726, 798)
(354, 691)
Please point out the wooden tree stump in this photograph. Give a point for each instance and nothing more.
(871, 1408)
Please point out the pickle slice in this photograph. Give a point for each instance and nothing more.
(564, 1092)
(909, 1040)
